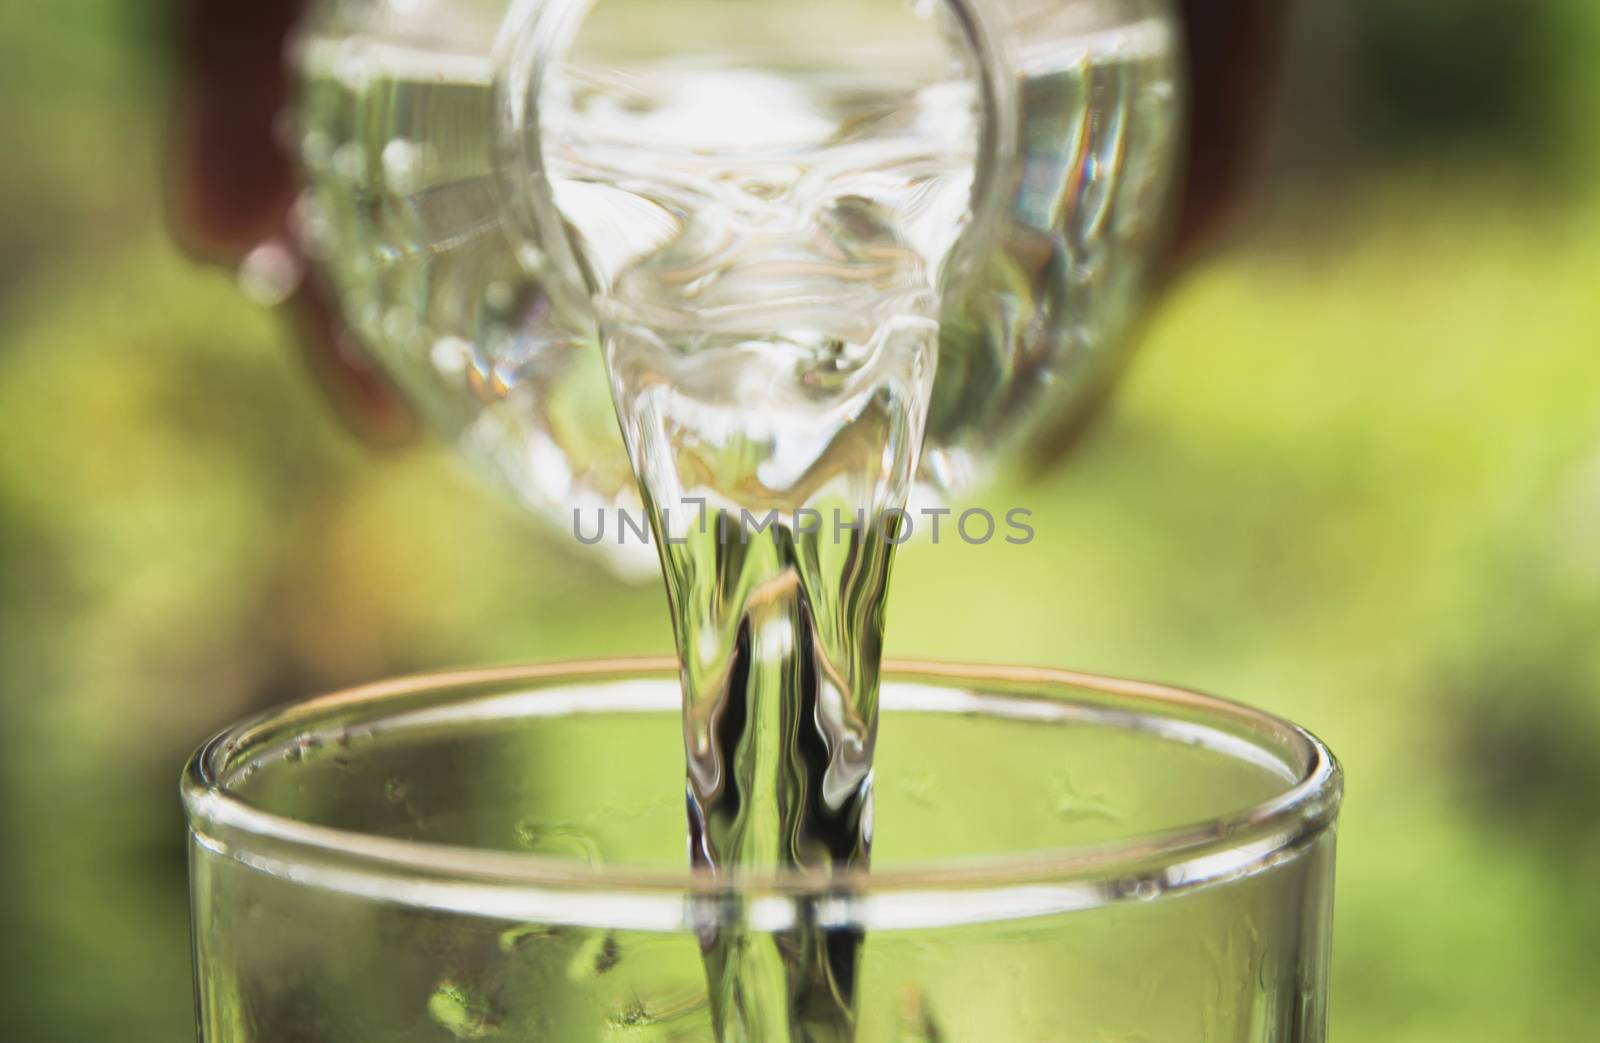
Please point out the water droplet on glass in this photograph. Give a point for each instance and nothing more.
(916, 1020)
(302, 748)
(517, 938)
(918, 788)
(654, 1012)
(1140, 889)
(1076, 804)
(462, 1012)
(554, 838)
(599, 954)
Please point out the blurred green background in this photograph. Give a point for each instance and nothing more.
(1353, 477)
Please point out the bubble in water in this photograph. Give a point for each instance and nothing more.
(269, 274)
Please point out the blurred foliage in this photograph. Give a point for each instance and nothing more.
(1354, 477)
(1480, 72)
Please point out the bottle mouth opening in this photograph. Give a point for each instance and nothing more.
(1235, 843)
(772, 42)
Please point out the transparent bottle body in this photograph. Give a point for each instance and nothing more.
(428, 211)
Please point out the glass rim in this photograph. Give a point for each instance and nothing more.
(1241, 842)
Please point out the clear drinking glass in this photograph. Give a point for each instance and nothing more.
(500, 855)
